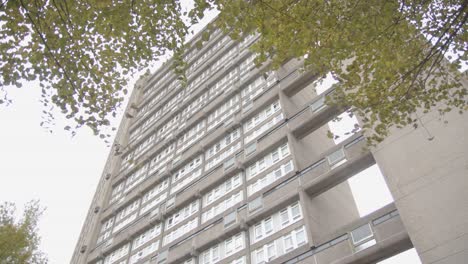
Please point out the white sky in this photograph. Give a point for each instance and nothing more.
(63, 172)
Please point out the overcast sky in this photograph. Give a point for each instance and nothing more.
(63, 172)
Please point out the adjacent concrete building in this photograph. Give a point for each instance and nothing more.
(238, 168)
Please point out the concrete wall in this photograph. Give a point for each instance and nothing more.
(429, 182)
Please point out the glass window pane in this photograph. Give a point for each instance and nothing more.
(268, 224)
(295, 212)
(300, 237)
(284, 217)
(271, 251)
(288, 243)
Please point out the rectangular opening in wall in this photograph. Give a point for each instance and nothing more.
(408, 256)
(343, 126)
(323, 84)
(370, 192)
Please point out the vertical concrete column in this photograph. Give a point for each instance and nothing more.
(297, 152)
(309, 222)
(287, 106)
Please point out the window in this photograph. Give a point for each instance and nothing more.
(126, 215)
(186, 181)
(280, 246)
(255, 204)
(295, 212)
(261, 116)
(190, 137)
(180, 231)
(318, 105)
(117, 254)
(222, 149)
(230, 219)
(136, 177)
(361, 234)
(151, 248)
(194, 106)
(239, 242)
(229, 246)
(271, 177)
(275, 222)
(151, 194)
(146, 236)
(284, 217)
(336, 158)
(215, 253)
(271, 251)
(251, 148)
(288, 243)
(223, 250)
(258, 230)
(132, 207)
(145, 145)
(253, 89)
(160, 161)
(300, 237)
(223, 112)
(150, 199)
(187, 169)
(106, 229)
(181, 215)
(267, 161)
(225, 83)
(259, 256)
(247, 65)
(240, 260)
(222, 206)
(268, 226)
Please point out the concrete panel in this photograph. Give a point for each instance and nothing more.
(331, 210)
(428, 180)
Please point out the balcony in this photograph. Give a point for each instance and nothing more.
(367, 240)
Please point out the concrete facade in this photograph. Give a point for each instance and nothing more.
(429, 182)
(237, 168)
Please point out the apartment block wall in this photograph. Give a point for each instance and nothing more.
(426, 170)
(235, 168)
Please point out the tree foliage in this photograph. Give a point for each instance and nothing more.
(81, 52)
(388, 55)
(19, 240)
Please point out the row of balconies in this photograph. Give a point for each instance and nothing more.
(216, 176)
(165, 70)
(289, 81)
(263, 100)
(190, 120)
(369, 239)
(195, 151)
(294, 81)
(206, 63)
(215, 76)
(386, 233)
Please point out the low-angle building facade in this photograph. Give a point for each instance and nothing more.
(237, 168)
